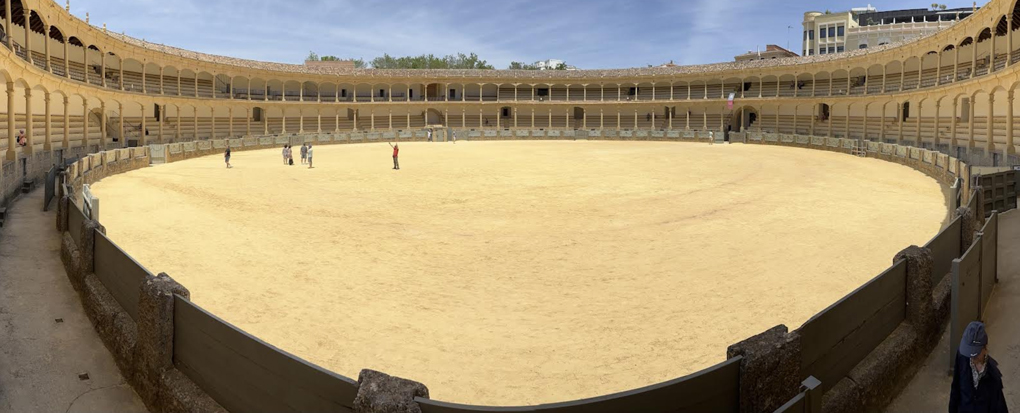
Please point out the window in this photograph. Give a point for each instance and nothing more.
(453, 93)
(832, 50)
(343, 93)
(382, 93)
(805, 34)
(832, 32)
(839, 49)
(821, 51)
(811, 35)
(542, 92)
(839, 31)
(821, 33)
(632, 92)
(811, 52)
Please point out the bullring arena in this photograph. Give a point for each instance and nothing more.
(799, 234)
(502, 271)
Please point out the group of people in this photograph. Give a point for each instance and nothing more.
(453, 136)
(306, 155)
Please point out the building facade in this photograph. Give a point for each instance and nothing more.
(771, 52)
(828, 33)
(74, 87)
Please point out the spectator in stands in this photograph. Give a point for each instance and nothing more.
(22, 140)
(226, 157)
(396, 150)
(309, 156)
(304, 153)
(285, 154)
(977, 381)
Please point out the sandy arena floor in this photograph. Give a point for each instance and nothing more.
(512, 273)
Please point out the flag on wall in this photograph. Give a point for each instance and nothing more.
(729, 103)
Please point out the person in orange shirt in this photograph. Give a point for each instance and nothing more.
(396, 150)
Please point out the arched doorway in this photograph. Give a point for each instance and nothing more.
(742, 119)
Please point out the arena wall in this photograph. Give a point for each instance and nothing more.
(858, 352)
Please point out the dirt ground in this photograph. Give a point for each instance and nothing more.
(513, 273)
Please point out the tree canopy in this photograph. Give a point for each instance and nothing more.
(430, 61)
(425, 61)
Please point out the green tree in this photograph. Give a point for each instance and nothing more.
(561, 66)
(521, 66)
(312, 57)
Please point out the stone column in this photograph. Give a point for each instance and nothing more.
(29, 121)
(161, 122)
(46, 46)
(973, 60)
(1010, 148)
(48, 133)
(143, 137)
(67, 123)
(970, 141)
(121, 79)
(28, 33)
(67, 64)
(917, 139)
(7, 28)
(990, 140)
(102, 126)
(12, 142)
(120, 125)
(991, 54)
(956, 120)
(102, 69)
(769, 369)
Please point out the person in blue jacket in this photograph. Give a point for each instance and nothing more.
(977, 381)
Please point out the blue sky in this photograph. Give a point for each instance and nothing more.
(589, 34)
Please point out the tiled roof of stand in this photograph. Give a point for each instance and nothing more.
(509, 74)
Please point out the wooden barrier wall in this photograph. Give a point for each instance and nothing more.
(245, 374)
(715, 389)
(75, 218)
(119, 273)
(839, 337)
(966, 298)
(944, 249)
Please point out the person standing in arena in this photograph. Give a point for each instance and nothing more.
(226, 157)
(284, 154)
(430, 135)
(396, 150)
(309, 156)
(454, 137)
(304, 153)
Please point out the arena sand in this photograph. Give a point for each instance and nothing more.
(514, 273)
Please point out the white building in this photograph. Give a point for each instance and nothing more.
(860, 28)
(552, 64)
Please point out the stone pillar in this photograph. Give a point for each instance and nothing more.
(143, 138)
(102, 126)
(917, 139)
(770, 369)
(28, 33)
(48, 133)
(970, 140)
(67, 64)
(1010, 143)
(920, 309)
(120, 124)
(381, 393)
(968, 227)
(29, 122)
(956, 121)
(7, 25)
(153, 352)
(938, 118)
(85, 124)
(990, 132)
(67, 123)
(86, 252)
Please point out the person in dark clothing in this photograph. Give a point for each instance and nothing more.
(977, 381)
